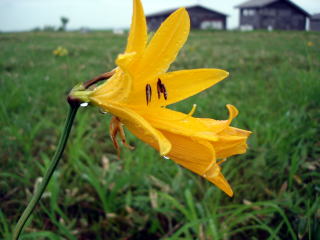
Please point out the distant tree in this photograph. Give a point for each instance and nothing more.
(36, 29)
(48, 28)
(64, 22)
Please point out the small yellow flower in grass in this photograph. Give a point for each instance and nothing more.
(60, 51)
(310, 44)
(140, 89)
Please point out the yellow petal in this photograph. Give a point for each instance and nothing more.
(179, 85)
(229, 151)
(118, 87)
(197, 156)
(232, 141)
(219, 125)
(123, 60)
(175, 122)
(214, 175)
(137, 39)
(114, 89)
(193, 154)
(165, 44)
(162, 50)
(137, 125)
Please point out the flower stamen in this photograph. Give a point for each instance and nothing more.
(148, 93)
(161, 89)
(222, 161)
(192, 111)
(194, 107)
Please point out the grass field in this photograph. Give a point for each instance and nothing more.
(274, 82)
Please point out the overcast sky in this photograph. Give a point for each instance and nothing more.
(20, 15)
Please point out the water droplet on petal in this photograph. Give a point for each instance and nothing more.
(213, 171)
(85, 104)
(102, 112)
(165, 157)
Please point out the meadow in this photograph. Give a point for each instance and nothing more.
(274, 82)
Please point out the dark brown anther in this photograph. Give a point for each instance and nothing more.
(159, 84)
(161, 89)
(164, 91)
(148, 93)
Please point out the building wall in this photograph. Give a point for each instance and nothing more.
(155, 22)
(200, 15)
(249, 17)
(315, 25)
(197, 17)
(288, 17)
(279, 15)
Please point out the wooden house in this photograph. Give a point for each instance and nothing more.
(315, 22)
(272, 14)
(200, 18)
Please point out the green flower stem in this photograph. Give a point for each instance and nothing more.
(55, 160)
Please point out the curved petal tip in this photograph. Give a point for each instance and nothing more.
(214, 175)
(233, 112)
(164, 147)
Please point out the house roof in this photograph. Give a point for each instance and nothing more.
(263, 3)
(255, 3)
(315, 16)
(169, 11)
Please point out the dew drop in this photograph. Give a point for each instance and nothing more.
(102, 112)
(165, 157)
(85, 104)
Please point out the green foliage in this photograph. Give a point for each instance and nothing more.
(274, 82)
(64, 22)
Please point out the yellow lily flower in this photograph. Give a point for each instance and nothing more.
(140, 88)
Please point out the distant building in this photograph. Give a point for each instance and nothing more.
(315, 22)
(272, 14)
(200, 17)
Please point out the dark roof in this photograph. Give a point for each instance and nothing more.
(255, 3)
(263, 3)
(169, 11)
(315, 16)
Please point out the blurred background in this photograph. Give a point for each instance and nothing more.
(271, 49)
(25, 15)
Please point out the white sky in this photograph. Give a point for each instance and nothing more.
(19, 15)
